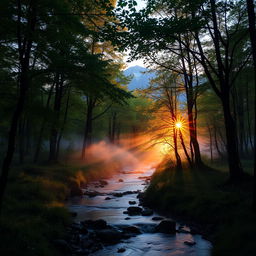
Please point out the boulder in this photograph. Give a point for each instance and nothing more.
(92, 193)
(127, 218)
(95, 224)
(121, 250)
(132, 202)
(120, 180)
(117, 194)
(109, 236)
(134, 210)
(166, 226)
(103, 182)
(108, 198)
(131, 229)
(147, 212)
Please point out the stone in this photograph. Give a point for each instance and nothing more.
(157, 218)
(117, 194)
(189, 243)
(127, 218)
(131, 229)
(108, 198)
(166, 226)
(95, 224)
(125, 212)
(92, 193)
(103, 182)
(121, 250)
(132, 202)
(147, 212)
(134, 210)
(120, 180)
(109, 236)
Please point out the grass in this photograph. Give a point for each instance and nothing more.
(200, 196)
(34, 212)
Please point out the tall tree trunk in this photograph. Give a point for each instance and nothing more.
(21, 139)
(177, 156)
(252, 31)
(63, 124)
(55, 125)
(24, 48)
(211, 147)
(40, 137)
(236, 171)
(185, 150)
(88, 127)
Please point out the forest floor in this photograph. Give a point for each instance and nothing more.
(34, 213)
(221, 212)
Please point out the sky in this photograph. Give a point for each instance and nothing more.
(141, 4)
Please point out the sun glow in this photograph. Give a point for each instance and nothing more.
(178, 125)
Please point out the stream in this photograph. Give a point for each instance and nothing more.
(147, 243)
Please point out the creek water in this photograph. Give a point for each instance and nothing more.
(148, 243)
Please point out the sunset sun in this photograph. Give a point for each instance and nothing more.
(178, 125)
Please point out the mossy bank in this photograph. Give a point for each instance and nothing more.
(223, 212)
(34, 214)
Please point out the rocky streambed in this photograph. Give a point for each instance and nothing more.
(110, 220)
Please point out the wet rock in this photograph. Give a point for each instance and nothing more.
(120, 180)
(117, 194)
(189, 243)
(166, 226)
(92, 193)
(95, 224)
(147, 212)
(146, 227)
(109, 236)
(134, 210)
(76, 226)
(62, 245)
(132, 202)
(140, 195)
(125, 212)
(103, 182)
(87, 243)
(108, 198)
(157, 218)
(127, 218)
(121, 250)
(131, 229)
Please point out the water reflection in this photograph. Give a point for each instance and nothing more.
(151, 244)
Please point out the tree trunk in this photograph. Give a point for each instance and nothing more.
(63, 125)
(88, 127)
(252, 31)
(24, 48)
(55, 125)
(41, 132)
(177, 156)
(236, 171)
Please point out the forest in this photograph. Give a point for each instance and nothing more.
(75, 140)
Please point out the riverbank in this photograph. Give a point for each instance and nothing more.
(222, 213)
(34, 213)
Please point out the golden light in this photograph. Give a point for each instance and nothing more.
(178, 125)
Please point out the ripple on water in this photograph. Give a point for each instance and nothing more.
(149, 244)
